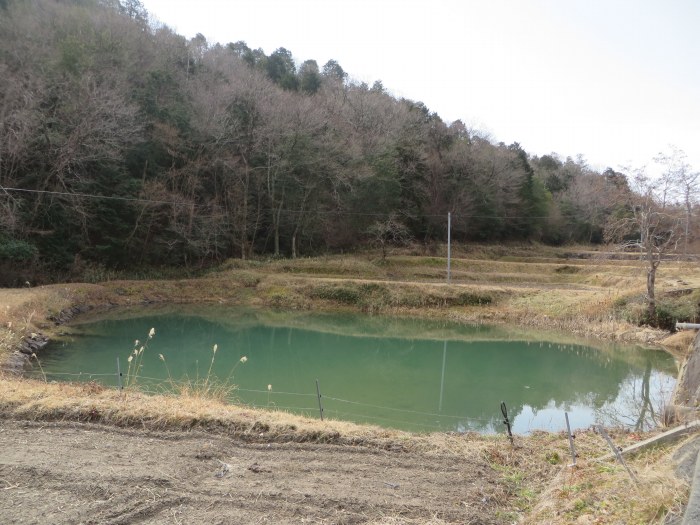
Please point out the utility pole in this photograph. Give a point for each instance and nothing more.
(449, 246)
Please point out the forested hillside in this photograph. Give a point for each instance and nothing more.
(123, 144)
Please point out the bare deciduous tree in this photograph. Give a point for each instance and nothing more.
(389, 232)
(651, 224)
(679, 172)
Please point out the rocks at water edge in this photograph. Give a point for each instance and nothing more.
(16, 362)
(33, 343)
(69, 313)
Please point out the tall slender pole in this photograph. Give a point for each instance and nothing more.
(616, 451)
(571, 441)
(318, 393)
(449, 246)
(506, 421)
(119, 374)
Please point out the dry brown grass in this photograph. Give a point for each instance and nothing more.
(36, 401)
(585, 295)
(603, 492)
(679, 343)
(534, 476)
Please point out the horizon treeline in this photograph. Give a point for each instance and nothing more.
(125, 144)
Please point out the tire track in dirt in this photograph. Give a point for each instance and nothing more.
(81, 473)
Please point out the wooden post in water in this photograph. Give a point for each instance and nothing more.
(318, 393)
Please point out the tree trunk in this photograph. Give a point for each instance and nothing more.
(688, 212)
(275, 206)
(651, 298)
(276, 227)
(294, 244)
(244, 225)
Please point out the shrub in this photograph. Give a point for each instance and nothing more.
(667, 314)
(665, 318)
(15, 250)
(17, 262)
(567, 269)
(472, 299)
(368, 296)
(620, 302)
(338, 294)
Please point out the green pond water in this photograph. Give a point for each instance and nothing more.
(407, 374)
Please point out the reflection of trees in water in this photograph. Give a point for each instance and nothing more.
(522, 376)
(641, 402)
(566, 376)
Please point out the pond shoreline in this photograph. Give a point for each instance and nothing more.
(531, 370)
(94, 411)
(76, 300)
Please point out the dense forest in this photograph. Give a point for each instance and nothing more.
(125, 144)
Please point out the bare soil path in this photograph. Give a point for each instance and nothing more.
(70, 473)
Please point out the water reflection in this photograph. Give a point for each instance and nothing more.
(540, 385)
(640, 403)
(407, 378)
(442, 377)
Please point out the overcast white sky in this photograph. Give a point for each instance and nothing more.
(617, 81)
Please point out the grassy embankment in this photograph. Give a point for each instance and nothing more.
(591, 294)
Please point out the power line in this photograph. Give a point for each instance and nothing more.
(93, 196)
(285, 211)
(440, 216)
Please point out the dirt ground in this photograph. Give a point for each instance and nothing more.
(70, 473)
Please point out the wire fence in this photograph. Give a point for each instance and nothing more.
(163, 385)
(336, 407)
(318, 405)
(464, 423)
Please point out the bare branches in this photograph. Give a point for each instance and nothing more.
(390, 232)
(650, 223)
(685, 181)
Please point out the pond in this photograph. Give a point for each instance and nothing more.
(403, 373)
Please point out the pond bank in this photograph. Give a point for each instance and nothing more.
(412, 374)
(532, 482)
(32, 315)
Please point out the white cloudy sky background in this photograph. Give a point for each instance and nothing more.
(616, 81)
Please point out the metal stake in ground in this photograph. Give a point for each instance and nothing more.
(571, 441)
(616, 451)
(506, 421)
(318, 393)
(119, 375)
